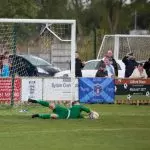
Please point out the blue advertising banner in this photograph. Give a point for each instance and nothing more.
(96, 90)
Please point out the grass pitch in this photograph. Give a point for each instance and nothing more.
(121, 127)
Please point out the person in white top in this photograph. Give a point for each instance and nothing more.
(109, 67)
(113, 62)
(139, 72)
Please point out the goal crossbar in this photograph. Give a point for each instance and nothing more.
(56, 21)
(126, 35)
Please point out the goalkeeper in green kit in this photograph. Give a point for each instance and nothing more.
(60, 111)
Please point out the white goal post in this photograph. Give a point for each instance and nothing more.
(121, 44)
(55, 31)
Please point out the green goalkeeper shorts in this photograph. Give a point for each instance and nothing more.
(61, 111)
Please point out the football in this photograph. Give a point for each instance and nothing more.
(94, 115)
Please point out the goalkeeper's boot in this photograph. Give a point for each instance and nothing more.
(32, 100)
(35, 115)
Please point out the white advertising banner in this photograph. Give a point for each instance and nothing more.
(31, 88)
(58, 89)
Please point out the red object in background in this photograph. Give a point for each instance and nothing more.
(132, 81)
(6, 89)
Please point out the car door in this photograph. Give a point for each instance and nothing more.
(121, 69)
(21, 67)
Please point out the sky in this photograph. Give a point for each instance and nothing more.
(128, 2)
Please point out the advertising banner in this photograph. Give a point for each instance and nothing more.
(133, 88)
(6, 89)
(59, 89)
(31, 88)
(96, 90)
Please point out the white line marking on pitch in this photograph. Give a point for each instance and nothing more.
(74, 130)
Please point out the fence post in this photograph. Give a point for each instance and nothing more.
(13, 72)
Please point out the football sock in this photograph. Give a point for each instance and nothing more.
(32, 100)
(45, 116)
(43, 103)
(35, 115)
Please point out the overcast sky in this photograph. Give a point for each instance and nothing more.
(128, 1)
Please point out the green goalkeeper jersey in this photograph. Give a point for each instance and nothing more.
(76, 110)
(70, 113)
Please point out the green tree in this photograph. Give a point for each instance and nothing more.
(111, 11)
(53, 9)
(142, 9)
(18, 9)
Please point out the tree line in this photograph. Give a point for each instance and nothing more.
(102, 16)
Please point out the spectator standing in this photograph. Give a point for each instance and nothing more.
(130, 64)
(112, 61)
(147, 67)
(5, 71)
(139, 72)
(78, 65)
(109, 68)
(1, 64)
(102, 72)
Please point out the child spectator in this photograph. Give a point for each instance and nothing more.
(102, 72)
(5, 71)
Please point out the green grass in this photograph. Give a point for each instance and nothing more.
(121, 127)
(134, 97)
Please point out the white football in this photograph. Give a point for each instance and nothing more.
(94, 115)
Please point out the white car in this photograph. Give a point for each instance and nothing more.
(91, 68)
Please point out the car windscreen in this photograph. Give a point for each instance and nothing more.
(36, 61)
(92, 65)
(21, 66)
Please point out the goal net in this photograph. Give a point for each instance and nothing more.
(36, 48)
(123, 44)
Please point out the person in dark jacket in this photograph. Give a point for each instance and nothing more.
(78, 65)
(1, 63)
(147, 67)
(112, 61)
(130, 64)
(102, 72)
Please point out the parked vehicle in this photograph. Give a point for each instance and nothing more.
(29, 65)
(91, 68)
